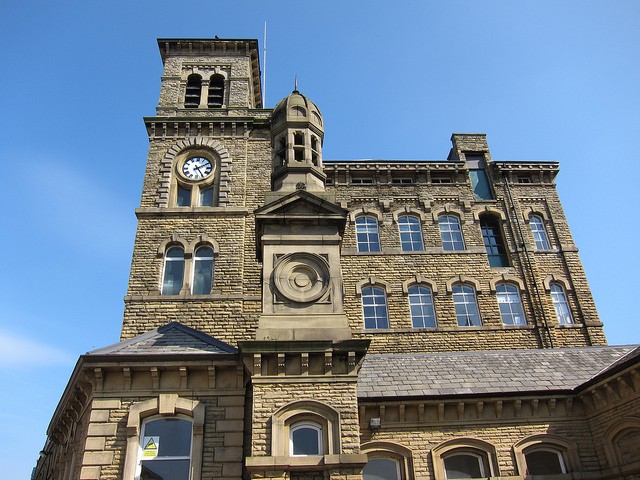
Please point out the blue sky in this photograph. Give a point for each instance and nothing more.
(546, 80)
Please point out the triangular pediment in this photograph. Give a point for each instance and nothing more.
(301, 204)
(171, 339)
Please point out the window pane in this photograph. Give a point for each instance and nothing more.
(421, 306)
(305, 441)
(175, 436)
(206, 197)
(493, 242)
(165, 470)
(173, 271)
(367, 234)
(381, 469)
(374, 308)
(559, 299)
(203, 271)
(544, 462)
(464, 300)
(450, 232)
(463, 466)
(480, 184)
(539, 233)
(510, 304)
(184, 197)
(410, 233)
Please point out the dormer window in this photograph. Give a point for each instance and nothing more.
(194, 88)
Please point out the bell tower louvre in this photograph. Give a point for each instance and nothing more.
(294, 317)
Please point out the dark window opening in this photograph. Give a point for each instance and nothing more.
(441, 179)
(493, 242)
(184, 197)
(298, 154)
(194, 87)
(298, 138)
(216, 91)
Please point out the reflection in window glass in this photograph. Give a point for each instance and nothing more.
(539, 233)
(464, 299)
(510, 305)
(173, 271)
(184, 197)
(410, 233)
(206, 197)
(559, 299)
(202, 271)
(450, 232)
(367, 234)
(172, 456)
(544, 462)
(306, 439)
(381, 469)
(464, 465)
(493, 242)
(374, 308)
(421, 305)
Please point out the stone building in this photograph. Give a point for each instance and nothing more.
(293, 317)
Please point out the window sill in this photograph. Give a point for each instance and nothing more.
(491, 328)
(151, 212)
(214, 297)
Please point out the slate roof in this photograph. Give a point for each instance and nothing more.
(486, 372)
(171, 339)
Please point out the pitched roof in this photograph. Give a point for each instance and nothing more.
(485, 372)
(171, 339)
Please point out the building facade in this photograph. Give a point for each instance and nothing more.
(292, 317)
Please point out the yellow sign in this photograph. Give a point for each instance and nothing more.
(150, 447)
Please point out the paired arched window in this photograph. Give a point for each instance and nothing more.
(510, 304)
(305, 438)
(173, 275)
(193, 92)
(560, 304)
(450, 232)
(410, 233)
(493, 241)
(421, 305)
(165, 449)
(466, 305)
(539, 232)
(374, 308)
(199, 270)
(367, 236)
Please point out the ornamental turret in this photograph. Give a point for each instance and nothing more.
(296, 140)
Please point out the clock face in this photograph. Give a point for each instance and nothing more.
(196, 168)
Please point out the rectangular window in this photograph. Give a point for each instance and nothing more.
(184, 197)
(206, 197)
(362, 180)
(441, 179)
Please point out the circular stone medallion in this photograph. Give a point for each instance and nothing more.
(301, 277)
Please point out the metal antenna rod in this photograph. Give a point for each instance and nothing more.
(264, 73)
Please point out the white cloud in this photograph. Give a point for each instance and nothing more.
(16, 351)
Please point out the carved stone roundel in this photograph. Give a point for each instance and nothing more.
(301, 277)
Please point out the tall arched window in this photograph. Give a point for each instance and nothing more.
(560, 303)
(173, 275)
(464, 299)
(374, 308)
(410, 233)
(539, 232)
(421, 305)
(450, 232)
(193, 92)
(510, 304)
(215, 98)
(367, 234)
(493, 241)
(165, 449)
(202, 271)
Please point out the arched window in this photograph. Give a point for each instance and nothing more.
(215, 99)
(510, 304)
(560, 304)
(464, 300)
(173, 275)
(374, 308)
(305, 438)
(410, 233)
(450, 232)
(165, 449)
(194, 88)
(539, 233)
(381, 469)
(493, 241)
(202, 271)
(544, 460)
(367, 234)
(465, 464)
(421, 305)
